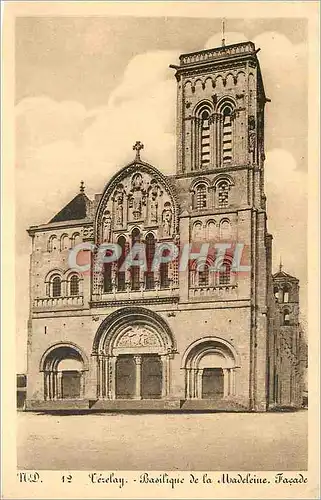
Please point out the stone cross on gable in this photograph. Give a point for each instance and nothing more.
(137, 147)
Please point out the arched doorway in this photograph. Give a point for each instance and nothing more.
(210, 365)
(64, 368)
(135, 347)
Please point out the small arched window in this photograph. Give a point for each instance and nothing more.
(64, 242)
(74, 285)
(75, 239)
(52, 243)
(56, 286)
(286, 317)
(225, 273)
(197, 233)
(223, 188)
(200, 196)
(205, 139)
(225, 229)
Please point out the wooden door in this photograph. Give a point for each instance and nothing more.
(151, 377)
(70, 384)
(125, 377)
(213, 383)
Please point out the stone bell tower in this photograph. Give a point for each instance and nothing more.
(220, 109)
(220, 175)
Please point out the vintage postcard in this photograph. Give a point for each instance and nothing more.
(159, 276)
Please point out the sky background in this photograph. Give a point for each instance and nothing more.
(86, 88)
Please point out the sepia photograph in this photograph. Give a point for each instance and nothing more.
(161, 244)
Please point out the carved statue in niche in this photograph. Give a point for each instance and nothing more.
(137, 198)
(119, 206)
(153, 204)
(106, 225)
(167, 217)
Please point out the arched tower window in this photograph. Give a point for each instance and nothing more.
(227, 135)
(202, 136)
(150, 252)
(200, 197)
(223, 188)
(205, 139)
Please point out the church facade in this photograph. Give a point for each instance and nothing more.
(204, 327)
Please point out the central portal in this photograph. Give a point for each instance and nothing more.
(139, 377)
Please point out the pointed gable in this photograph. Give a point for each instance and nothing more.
(78, 208)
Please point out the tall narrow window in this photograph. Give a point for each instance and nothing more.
(205, 139)
(225, 273)
(223, 192)
(56, 286)
(121, 275)
(203, 276)
(135, 270)
(163, 271)
(74, 285)
(285, 294)
(150, 252)
(108, 287)
(200, 196)
(227, 135)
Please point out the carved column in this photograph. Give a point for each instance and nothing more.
(112, 377)
(226, 382)
(193, 382)
(59, 385)
(138, 386)
(82, 384)
(164, 360)
(199, 383)
(187, 383)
